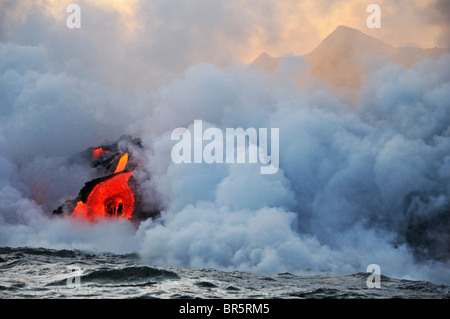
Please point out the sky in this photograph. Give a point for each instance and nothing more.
(358, 182)
(156, 37)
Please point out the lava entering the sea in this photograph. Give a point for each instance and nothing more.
(115, 195)
(110, 198)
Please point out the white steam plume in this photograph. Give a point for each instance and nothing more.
(356, 186)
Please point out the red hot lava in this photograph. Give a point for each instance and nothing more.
(97, 153)
(115, 195)
(111, 198)
(122, 163)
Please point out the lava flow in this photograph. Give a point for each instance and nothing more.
(116, 193)
(122, 163)
(111, 198)
(97, 153)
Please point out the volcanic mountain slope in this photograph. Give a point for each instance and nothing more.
(343, 55)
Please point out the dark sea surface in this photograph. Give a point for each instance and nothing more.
(44, 273)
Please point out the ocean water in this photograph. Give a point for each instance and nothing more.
(44, 273)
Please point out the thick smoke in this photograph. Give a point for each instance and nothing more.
(357, 185)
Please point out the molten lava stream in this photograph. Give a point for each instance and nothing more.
(110, 198)
(122, 163)
(97, 153)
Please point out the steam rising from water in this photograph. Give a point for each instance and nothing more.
(358, 184)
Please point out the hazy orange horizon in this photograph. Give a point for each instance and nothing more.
(165, 36)
(292, 26)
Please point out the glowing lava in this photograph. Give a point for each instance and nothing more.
(110, 198)
(122, 163)
(97, 153)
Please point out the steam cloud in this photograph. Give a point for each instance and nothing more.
(356, 185)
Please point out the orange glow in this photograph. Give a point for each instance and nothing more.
(110, 198)
(122, 163)
(97, 153)
(301, 24)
